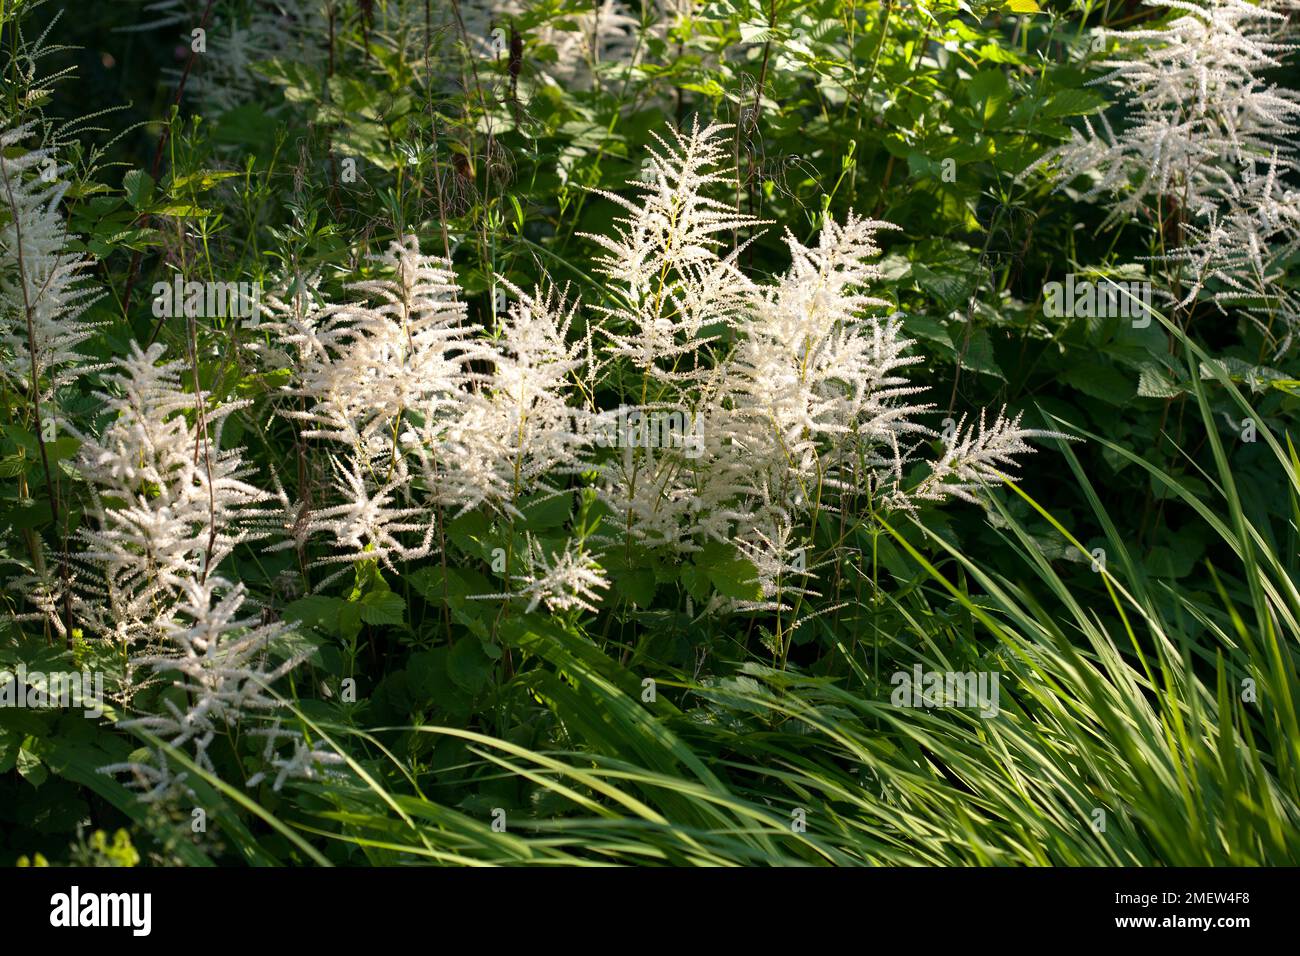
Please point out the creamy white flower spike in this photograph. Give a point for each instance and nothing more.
(44, 291)
(220, 659)
(784, 397)
(1210, 143)
(167, 502)
(809, 409)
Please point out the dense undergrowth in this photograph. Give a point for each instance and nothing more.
(555, 432)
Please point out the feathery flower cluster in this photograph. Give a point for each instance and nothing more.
(517, 428)
(368, 376)
(1209, 139)
(809, 401)
(167, 504)
(794, 391)
(44, 293)
(975, 457)
(662, 264)
(569, 579)
(219, 662)
(43, 287)
(427, 416)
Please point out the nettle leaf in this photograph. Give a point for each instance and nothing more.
(946, 272)
(1166, 562)
(25, 513)
(427, 670)
(30, 767)
(349, 620)
(947, 287)
(637, 586)
(988, 91)
(1259, 378)
(974, 349)
(545, 511)
(1073, 103)
(1099, 380)
(201, 181)
(1156, 382)
(428, 681)
(316, 611)
(468, 666)
(470, 532)
(635, 574)
(138, 186)
(696, 582)
(1162, 492)
(181, 210)
(922, 166)
(300, 82)
(62, 449)
(455, 585)
(732, 575)
(383, 607)
(296, 644)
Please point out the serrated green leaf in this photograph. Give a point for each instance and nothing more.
(383, 607)
(468, 666)
(138, 186)
(1155, 382)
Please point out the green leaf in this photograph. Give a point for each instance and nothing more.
(732, 575)
(545, 511)
(1099, 380)
(459, 584)
(25, 513)
(62, 448)
(468, 666)
(317, 611)
(975, 351)
(201, 181)
(1155, 382)
(469, 531)
(10, 746)
(637, 586)
(696, 582)
(1072, 103)
(30, 767)
(988, 91)
(383, 607)
(138, 186)
(349, 620)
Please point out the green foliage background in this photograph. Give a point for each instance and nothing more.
(1121, 688)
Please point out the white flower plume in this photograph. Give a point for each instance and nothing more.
(167, 502)
(43, 287)
(1210, 142)
(219, 660)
